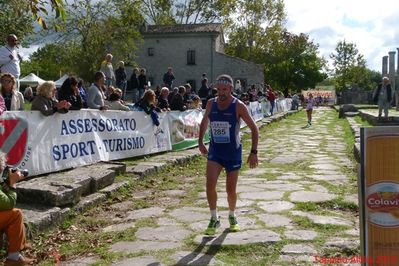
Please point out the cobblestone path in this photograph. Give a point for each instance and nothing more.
(298, 206)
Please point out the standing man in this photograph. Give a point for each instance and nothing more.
(383, 97)
(10, 58)
(108, 70)
(96, 97)
(225, 150)
(120, 76)
(168, 78)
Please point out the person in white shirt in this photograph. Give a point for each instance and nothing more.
(10, 58)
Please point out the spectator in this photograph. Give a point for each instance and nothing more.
(295, 102)
(108, 70)
(203, 76)
(45, 101)
(171, 95)
(69, 92)
(253, 97)
(83, 93)
(214, 93)
(2, 105)
(168, 78)
(10, 58)
(271, 97)
(177, 103)
(142, 82)
(383, 97)
(134, 84)
(120, 76)
(114, 102)
(238, 88)
(13, 99)
(28, 94)
(163, 102)
(96, 97)
(189, 95)
(11, 219)
(196, 103)
(157, 91)
(244, 98)
(204, 92)
(147, 104)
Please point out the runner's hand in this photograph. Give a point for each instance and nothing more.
(203, 149)
(252, 160)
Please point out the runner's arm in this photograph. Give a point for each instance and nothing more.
(203, 127)
(244, 114)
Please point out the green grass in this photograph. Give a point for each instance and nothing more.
(362, 122)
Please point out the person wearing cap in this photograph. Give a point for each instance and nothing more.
(223, 114)
(383, 97)
(10, 58)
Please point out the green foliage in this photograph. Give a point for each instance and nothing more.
(49, 61)
(167, 12)
(15, 19)
(91, 30)
(292, 63)
(350, 68)
(39, 11)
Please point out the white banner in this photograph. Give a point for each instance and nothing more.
(47, 144)
(184, 128)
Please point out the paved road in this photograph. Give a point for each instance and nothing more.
(301, 201)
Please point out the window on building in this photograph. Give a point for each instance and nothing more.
(192, 83)
(150, 51)
(190, 57)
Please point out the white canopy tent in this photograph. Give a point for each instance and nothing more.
(31, 80)
(58, 83)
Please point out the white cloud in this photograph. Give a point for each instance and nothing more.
(371, 25)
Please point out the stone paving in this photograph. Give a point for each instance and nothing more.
(295, 200)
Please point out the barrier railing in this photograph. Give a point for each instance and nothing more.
(47, 144)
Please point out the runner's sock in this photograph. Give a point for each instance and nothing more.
(13, 256)
(232, 213)
(214, 214)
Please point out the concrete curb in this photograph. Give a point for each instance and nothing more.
(42, 217)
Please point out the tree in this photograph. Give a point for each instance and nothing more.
(15, 19)
(348, 64)
(292, 63)
(93, 29)
(166, 12)
(49, 61)
(248, 34)
(39, 10)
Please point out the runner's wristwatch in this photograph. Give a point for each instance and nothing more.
(254, 151)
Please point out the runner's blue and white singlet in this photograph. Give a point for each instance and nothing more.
(224, 129)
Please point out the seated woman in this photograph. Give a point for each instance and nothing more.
(196, 103)
(28, 94)
(45, 101)
(69, 92)
(147, 104)
(115, 103)
(163, 102)
(13, 99)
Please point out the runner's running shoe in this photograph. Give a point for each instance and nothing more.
(212, 226)
(234, 227)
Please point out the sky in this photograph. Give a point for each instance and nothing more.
(372, 25)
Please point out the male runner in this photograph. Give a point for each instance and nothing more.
(225, 151)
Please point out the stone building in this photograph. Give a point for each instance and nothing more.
(191, 50)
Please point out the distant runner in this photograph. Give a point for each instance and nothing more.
(225, 150)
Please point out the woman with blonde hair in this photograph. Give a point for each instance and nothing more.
(14, 100)
(147, 104)
(45, 101)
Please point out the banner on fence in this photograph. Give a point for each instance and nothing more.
(184, 128)
(47, 144)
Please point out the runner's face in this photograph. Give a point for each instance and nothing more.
(224, 91)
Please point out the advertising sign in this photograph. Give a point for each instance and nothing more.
(379, 195)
